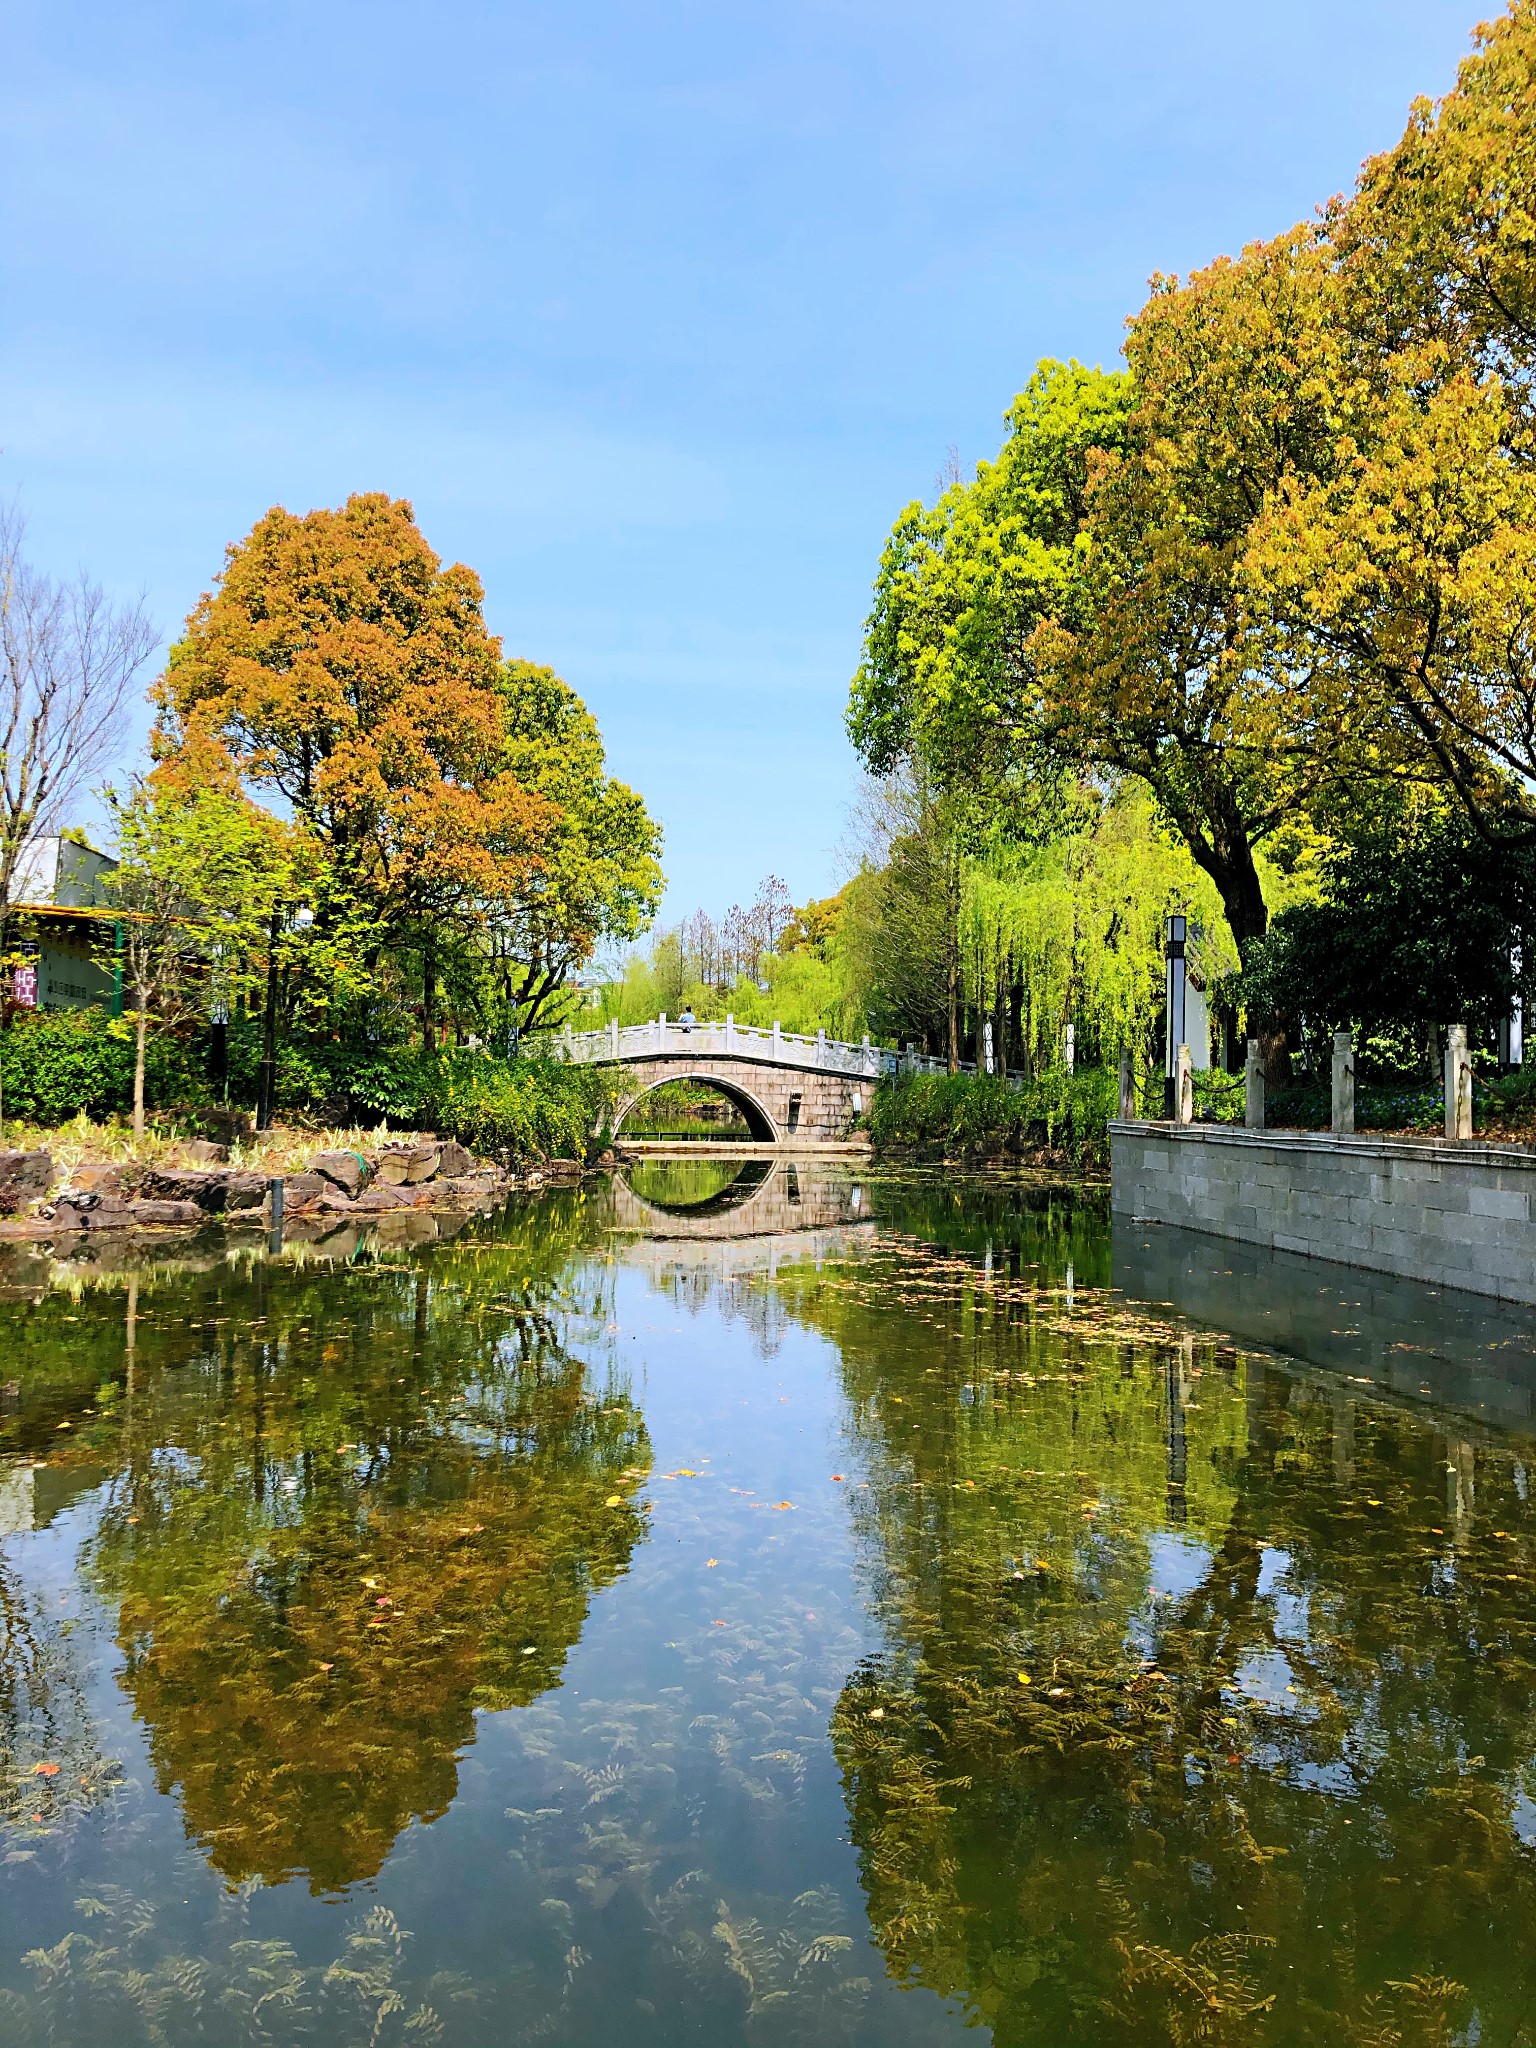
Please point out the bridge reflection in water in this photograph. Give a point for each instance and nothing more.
(736, 1215)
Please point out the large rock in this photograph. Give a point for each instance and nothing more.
(24, 1176)
(345, 1170)
(374, 1201)
(244, 1190)
(301, 1189)
(407, 1165)
(165, 1212)
(421, 1163)
(204, 1152)
(85, 1211)
(185, 1184)
(455, 1160)
(96, 1178)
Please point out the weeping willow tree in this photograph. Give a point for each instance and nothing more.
(1070, 931)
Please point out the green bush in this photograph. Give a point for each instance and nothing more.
(56, 1063)
(528, 1109)
(981, 1116)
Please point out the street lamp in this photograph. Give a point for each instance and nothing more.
(1175, 991)
(266, 1086)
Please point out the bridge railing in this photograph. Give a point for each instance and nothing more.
(664, 1037)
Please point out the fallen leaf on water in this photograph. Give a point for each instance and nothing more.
(837, 1475)
(710, 1563)
(614, 1500)
(1024, 1678)
(46, 1771)
(780, 1505)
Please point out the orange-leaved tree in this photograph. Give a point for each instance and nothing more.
(341, 668)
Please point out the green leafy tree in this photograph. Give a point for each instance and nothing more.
(197, 874)
(598, 881)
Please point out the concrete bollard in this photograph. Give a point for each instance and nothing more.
(1343, 1119)
(1458, 1083)
(1127, 1088)
(1253, 1088)
(1184, 1087)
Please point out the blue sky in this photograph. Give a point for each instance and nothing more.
(657, 314)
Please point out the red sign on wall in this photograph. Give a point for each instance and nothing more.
(24, 985)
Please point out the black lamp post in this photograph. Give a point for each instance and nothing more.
(1175, 990)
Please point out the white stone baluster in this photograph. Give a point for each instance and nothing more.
(1253, 1088)
(1458, 1083)
(1343, 1118)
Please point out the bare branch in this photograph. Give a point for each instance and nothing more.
(68, 660)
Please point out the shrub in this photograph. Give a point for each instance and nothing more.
(528, 1109)
(56, 1063)
(981, 1116)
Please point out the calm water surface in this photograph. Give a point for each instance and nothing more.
(763, 1607)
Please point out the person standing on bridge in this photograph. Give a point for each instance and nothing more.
(687, 1020)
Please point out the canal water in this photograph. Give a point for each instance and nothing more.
(753, 1605)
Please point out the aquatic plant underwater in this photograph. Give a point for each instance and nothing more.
(856, 1640)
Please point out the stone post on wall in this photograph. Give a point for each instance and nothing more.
(1343, 1082)
(1458, 1083)
(1184, 1087)
(1253, 1088)
(1127, 1088)
(613, 1037)
(1069, 1048)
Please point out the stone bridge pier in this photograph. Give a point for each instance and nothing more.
(781, 1105)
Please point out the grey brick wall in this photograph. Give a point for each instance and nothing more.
(1456, 1215)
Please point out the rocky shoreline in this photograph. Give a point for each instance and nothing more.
(198, 1186)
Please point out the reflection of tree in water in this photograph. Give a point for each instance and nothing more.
(1278, 1798)
(334, 1535)
(688, 1185)
(50, 1764)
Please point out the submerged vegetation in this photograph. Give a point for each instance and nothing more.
(1168, 1691)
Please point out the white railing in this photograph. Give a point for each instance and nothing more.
(769, 1044)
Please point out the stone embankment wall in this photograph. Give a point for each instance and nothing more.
(1455, 1214)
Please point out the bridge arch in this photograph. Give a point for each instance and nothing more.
(759, 1123)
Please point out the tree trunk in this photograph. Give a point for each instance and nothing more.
(141, 1033)
(1230, 864)
(953, 1049)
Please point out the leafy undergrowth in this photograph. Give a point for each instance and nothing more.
(525, 1109)
(978, 1116)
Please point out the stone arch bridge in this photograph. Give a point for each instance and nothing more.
(791, 1089)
